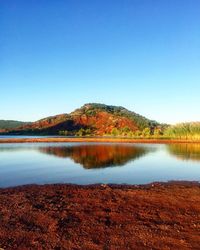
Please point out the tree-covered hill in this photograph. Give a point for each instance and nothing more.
(91, 119)
(91, 109)
(10, 124)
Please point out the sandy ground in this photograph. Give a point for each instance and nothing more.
(156, 216)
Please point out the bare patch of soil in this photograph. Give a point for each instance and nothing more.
(156, 216)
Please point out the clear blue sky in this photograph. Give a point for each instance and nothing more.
(141, 54)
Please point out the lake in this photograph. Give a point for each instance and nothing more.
(89, 163)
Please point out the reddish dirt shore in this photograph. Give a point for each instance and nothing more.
(156, 216)
(90, 139)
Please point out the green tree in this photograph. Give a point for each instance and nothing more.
(88, 131)
(157, 132)
(115, 132)
(80, 132)
(63, 132)
(137, 133)
(146, 132)
(125, 130)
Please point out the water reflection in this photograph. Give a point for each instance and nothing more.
(10, 149)
(43, 163)
(185, 151)
(98, 156)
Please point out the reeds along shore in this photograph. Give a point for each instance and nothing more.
(184, 131)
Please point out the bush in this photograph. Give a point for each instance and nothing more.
(146, 132)
(83, 132)
(63, 132)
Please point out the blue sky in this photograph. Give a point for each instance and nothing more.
(141, 54)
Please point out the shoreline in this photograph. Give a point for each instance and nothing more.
(100, 216)
(111, 185)
(90, 139)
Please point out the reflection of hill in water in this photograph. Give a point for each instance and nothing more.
(98, 156)
(185, 151)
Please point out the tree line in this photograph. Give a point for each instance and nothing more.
(185, 131)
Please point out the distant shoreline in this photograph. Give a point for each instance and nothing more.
(93, 139)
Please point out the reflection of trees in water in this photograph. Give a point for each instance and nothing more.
(185, 151)
(98, 156)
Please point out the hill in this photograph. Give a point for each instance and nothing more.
(10, 124)
(91, 119)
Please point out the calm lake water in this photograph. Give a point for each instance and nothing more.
(88, 163)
